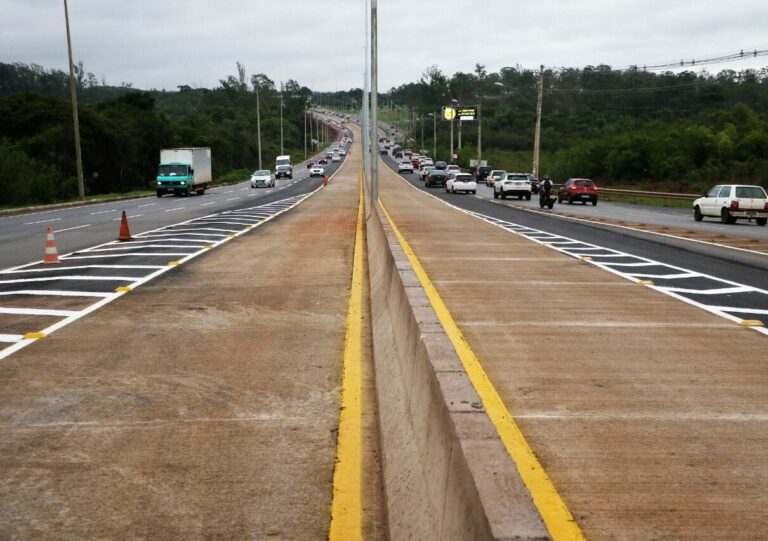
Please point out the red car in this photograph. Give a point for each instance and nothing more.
(578, 189)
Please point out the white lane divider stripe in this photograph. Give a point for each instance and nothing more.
(38, 312)
(43, 221)
(11, 338)
(72, 228)
(54, 293)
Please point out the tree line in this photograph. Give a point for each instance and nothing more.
(677, 131)
(123, 129)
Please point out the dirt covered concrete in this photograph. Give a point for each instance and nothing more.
(648, 414)
(203, 405)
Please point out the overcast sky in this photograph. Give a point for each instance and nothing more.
(165, 43)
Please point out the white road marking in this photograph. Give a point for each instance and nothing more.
(536, 236)
(233, 198)
(132, 216)
(43, 221)
(55, 293)
(209, 203)
(175, 208)
(104, 211)
(72, 228)
(147, 205)
(18, 342)
(37, 312)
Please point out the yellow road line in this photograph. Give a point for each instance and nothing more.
(346, 507)
(554, 512)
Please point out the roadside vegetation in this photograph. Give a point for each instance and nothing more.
(677, 132)
(123, 129)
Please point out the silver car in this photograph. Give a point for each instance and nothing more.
(262, 177)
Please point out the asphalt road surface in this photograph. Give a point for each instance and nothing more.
(22, 236)
(729, 282)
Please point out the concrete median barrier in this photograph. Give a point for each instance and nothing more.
(447, 474)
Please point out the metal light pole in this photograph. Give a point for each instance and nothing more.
(374, 100)
(479, 129)
(434, 136)
(366, 131)
(75, 116)
(305, 130)
(421, 118)
(258, 123)
(282, 151)
(450, 158)
(537, 134)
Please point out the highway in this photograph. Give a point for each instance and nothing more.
(23, 235)
(731, 282)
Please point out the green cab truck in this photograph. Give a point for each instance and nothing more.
(183, 171)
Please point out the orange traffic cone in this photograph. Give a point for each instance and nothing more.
(125, 233)
(51, 255)
(325, 180)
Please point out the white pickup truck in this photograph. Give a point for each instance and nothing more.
(731, 202)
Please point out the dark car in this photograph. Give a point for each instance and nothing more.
(436, 177)
(398, 154)
(323, 160)
(578, 189)
(441, 165)
(310, 163)
(482, 172)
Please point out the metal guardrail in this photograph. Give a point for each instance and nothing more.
(657, 195)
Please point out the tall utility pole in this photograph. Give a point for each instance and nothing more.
(374, 101)
(459, 134)
(75, 116)
(421, 149)
(450, 158)
(366, 102)
(537, 133)
(479, 129)
(434, 136)
(305, 130)
(258, 123)
(282, 151)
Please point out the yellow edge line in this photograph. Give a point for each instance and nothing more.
(554, 512)
(346, 507)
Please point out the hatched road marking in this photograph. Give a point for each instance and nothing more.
(183, 242)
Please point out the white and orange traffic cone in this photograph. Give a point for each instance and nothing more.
(51, 255)
(125, 233)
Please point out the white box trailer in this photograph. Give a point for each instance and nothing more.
(184, 170)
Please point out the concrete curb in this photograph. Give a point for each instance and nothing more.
(446, 472)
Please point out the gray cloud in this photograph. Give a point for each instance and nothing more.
(165, 43)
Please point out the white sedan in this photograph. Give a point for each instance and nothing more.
(405, 167)
(462, 182)
(731, 202)
(317, 171)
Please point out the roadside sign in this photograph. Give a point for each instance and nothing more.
(449, 113)
(466, 113)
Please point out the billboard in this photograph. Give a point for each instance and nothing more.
(459, 113)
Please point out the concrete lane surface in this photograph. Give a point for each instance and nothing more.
(648, 414)
(203, 405)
